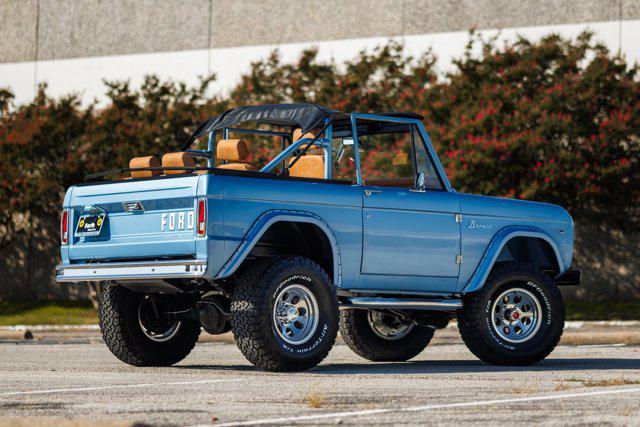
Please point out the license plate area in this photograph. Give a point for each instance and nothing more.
(90, 225)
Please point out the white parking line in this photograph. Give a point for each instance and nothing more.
(427, 407)
(106, 387)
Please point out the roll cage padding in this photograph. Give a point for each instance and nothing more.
(143, 163)
(176, 160)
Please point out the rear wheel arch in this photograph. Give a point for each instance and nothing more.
(292, 233)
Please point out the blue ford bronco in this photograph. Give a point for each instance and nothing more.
(293, 222)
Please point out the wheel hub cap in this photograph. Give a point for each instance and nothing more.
(517, 315)
(154, 326)
(388, 326)
(292, 314)
(295, 314)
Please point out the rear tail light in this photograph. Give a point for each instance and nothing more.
(64, 227)
(202, 217)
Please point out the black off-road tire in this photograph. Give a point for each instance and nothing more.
(121, 331)
(476, 317)
(252, 314)
(360, 337)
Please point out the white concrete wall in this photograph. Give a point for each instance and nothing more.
(85, 75)
(73, 45)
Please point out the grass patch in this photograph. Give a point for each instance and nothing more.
(589, 310)
(315, 399)
(609, 382)
(47, 313)
(562, 386)
(533, 389)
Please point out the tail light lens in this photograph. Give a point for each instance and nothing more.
(202, 217)
(64, 227)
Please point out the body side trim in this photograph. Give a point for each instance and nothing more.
(495, 247)
(262, 224)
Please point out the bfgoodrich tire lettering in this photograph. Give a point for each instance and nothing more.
(477, 319)
(252, 314)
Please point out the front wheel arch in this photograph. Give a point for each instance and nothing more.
(499, 243)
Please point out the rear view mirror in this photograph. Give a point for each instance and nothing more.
(421, 180)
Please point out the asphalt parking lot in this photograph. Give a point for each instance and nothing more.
(78, 382)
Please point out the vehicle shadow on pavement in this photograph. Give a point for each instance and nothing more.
(218, 367)
(468, 366)
(445, 367)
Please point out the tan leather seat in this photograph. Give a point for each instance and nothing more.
(233, 152)
(297, 134)
(175, 160)
(144, 162)
(309, 166)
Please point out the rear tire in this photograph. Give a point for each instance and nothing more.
(517, 318)
(135, 337)
(362, 332)
(284, 314)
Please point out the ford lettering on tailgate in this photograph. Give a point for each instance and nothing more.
(177, 221)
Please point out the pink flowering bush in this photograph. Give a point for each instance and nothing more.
(553, 120)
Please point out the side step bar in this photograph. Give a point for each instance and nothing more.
(403, 303)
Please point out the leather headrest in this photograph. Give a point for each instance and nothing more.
(173, 160)
(231, 150)
(297, 134)
(144, 162)
(237, 166)
(400, 159)
(309, 166)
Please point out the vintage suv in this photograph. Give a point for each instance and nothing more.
(313, 211)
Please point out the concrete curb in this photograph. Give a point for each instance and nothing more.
(579, 324)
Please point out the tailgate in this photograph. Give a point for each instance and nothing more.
(147, 219)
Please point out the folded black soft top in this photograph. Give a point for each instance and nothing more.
(304, 116)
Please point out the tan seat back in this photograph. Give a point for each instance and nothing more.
(234, 152)
(297, 134)
(309, 166)
(175, 160)
(144, 162)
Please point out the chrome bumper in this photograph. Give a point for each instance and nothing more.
(131, 271)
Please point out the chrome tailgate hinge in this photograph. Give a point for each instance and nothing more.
(458, 259)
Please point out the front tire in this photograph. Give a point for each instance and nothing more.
(138, 334)
(382, 337)
(284, 314)
(516, 319)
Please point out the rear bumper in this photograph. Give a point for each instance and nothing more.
(569, 278)
(131, 271)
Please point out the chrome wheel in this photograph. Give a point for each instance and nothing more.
(388, 326)
(517, 315)
(154, 325)
(295, 314)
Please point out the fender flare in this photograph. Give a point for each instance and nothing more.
(477, 280)
(262, 224)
